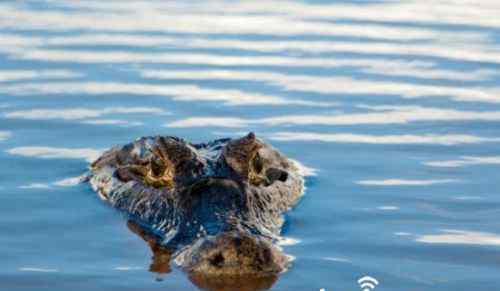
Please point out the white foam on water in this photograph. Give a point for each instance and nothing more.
(468, 198)
(304, 170)
(388, 207)
(35, 186)
(444, 139)
(78, 113)
(403, 182)
(288, 241)
(42, 152)
(37, 269)
(337, 259)
(229, 122)
(69, 182)
(450, 236)
(19, 75)
(127, 268)
(466, 161)
(186, 93)
(121, 122)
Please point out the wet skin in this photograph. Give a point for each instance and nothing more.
(216, 209)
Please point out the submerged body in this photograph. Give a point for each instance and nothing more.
(217, 206)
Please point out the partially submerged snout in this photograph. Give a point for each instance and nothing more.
(233, 253)
(215, 206)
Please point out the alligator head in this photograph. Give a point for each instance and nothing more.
(217, 207)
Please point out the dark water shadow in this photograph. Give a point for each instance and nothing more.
(160, 266)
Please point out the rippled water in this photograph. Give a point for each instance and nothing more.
(394, 105)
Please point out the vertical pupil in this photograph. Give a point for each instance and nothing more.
(157, 167)
(257, 164)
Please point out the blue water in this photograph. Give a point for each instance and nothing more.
(393, 105)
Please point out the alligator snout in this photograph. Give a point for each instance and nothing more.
(217, 206)
(233, 253)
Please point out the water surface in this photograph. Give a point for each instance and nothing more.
(393, 105)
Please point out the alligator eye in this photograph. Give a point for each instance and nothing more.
(257, 163)
(157, 167)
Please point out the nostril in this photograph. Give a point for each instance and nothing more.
(283, 176)
(217, 260)
(274, 174)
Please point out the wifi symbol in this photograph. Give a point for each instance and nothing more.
(367, 283)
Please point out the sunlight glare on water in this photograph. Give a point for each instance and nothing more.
(392, 108)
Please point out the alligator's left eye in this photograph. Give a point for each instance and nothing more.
(157, 167)
(257, 163)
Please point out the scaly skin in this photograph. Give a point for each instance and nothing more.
(216, 207)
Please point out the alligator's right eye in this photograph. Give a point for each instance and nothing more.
(257, 163)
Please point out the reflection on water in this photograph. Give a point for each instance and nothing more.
(395, 106)
(229, 283)
(160, 262)
(160, 265)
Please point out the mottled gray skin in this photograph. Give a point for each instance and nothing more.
(217, 206)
